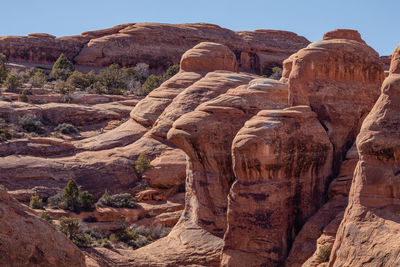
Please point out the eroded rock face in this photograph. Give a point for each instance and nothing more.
(282, 161)
(370, 228)
(206, 136)
(26, 240)
(333, 76)
(157, 44)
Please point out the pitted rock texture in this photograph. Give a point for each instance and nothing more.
(369, 231)
(26, 240)
(333, 76)
(157, 44)
(282, 160)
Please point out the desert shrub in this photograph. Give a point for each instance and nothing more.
(97, 88)
(69, 226)
(45, 216)
(82, 240)
(31, 123)
(22, 97)
(66, 128)
(64, 88)
(71, 195)
(2, 187)
(86, 201)
(5, 135)
(142, 164)
(55, 201)
(12, 82)
(38, 79)
(142, 69)
(36, 202)
(323, 253)
(171, 71)
(151, 83)
(127, 235)
(276, 73)
(62, 68)
(25, 75)
(81, 80)
(125, 200)
(3, 68)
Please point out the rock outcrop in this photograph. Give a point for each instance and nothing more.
(26, 240)
(333, 76)
(159, 45)
(369, 231)
(282, 161)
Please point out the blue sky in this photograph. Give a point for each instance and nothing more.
(377, 20)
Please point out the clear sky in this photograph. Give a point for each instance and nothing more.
(378, 21)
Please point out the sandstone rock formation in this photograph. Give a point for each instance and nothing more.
(331, 91)
(159, 45)
(282, 161)
(369, 231)
(26, 240)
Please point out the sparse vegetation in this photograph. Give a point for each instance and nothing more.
(38, 79)
(62, 68)
(5, 135)
(22, 97)
(66, 128)
(31, 123)
(276, 73)
(45, 216)
(125, 200)
(12, 82)
(2, 187)
(324, 253)
(142, 164)
(36, 202)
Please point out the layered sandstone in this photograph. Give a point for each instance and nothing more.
(26, 240)
(157, 44)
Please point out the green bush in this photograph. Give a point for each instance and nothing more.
(118, 200)
(142, 164)
(170, 72)
(82, 80)
(64, 88)
(55, 201)
(152, 82)
(45, 216)
(31, 123)
(22, 97)
(62, 68)
(5, 135)
(82, 240)
(69, 226)
(71, 196)
(86, 201)
(2, 187)
(323, 253)
(26, 75)
(276, 73)
(38, 79)
(12, 82)
(36, 202)
(66, 128)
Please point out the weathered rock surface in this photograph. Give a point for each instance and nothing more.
(315, 79)
(159, 45)
(26, 240)
(282, 160)
(369, 231)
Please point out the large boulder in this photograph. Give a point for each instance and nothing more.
(26, 240)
